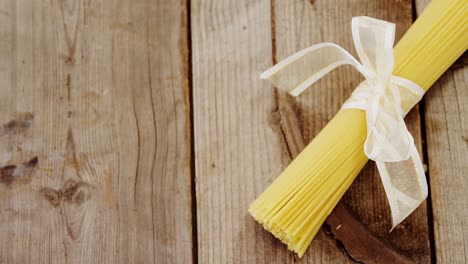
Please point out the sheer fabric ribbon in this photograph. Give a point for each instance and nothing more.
(385, 98)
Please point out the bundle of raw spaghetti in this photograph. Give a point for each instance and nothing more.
(296, 204)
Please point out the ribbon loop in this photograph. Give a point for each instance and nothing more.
(385, 98)
(373, 40)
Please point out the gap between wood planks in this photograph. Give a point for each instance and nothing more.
(425, 157)
(193, 182)
(430, 214)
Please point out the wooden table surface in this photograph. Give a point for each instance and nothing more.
(139, 131)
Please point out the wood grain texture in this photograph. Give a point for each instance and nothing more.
(447, 144)
(95, 135)
(299, 24)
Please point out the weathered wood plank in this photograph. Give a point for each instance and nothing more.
(97, 91)
(447, 144)
(237, 153)
(150, 56)
(299, 24)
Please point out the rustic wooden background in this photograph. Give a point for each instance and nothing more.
(138, 131)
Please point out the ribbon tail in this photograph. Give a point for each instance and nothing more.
(405, 185)
(300, 70)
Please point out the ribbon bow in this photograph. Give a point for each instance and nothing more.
(385, 98)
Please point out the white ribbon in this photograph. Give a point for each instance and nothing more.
(385, 98)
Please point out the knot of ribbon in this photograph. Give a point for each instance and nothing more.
(385, 98)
